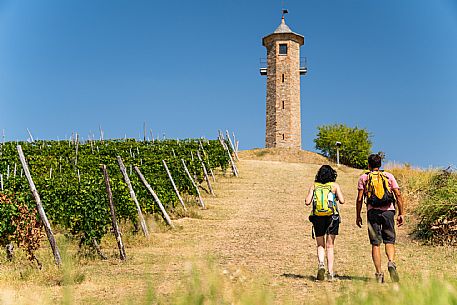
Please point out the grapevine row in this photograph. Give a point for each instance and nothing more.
(68, 178)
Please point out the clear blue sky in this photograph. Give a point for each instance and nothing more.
(188, 68)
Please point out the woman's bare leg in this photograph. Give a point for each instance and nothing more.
(320, 248)
(330, 253)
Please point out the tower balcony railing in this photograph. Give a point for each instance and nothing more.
(264, 64)
(303, 65)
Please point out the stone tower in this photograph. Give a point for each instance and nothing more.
(283, 69)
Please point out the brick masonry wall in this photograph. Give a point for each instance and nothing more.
(283, 127)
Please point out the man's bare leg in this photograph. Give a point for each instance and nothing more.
(390, 252)
(376, 256)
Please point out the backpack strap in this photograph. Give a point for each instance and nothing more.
(335, 209)
(367, 183)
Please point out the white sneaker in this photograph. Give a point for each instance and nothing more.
(331, 277)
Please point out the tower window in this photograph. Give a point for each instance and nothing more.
(282, 49)
(283, 78)
(283, 137)
(282, 104)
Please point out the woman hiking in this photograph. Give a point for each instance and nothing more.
(324, 194)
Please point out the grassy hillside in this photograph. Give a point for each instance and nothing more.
(252, 245)
(432, 202)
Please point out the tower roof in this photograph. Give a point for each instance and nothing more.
(283, 31)
(283, 27)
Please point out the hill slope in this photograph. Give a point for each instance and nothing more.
(256, 229)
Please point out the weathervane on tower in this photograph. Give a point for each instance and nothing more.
(283, 68)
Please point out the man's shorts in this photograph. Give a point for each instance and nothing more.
(325, 224)
(381, 226)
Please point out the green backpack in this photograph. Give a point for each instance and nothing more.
(324, 201)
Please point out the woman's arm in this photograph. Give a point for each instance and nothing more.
(339, 194)
(309, 198)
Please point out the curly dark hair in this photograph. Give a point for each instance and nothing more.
(326, 174)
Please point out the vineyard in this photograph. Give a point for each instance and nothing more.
(87, 188)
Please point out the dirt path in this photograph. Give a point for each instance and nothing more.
(256, 227)
(262, 230)
(268, 234)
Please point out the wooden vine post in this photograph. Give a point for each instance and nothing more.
(212, 174)
(76, 149)
(232, 163)
(236, 142)
(133, 196)
(10, 251)
(174, 185)
(205, 155)
(200, 199)
(41, 212)
(101, 134)
(231, 144)
(31, 137)
(3, 142)
(208, 182)
(149, 188)
(98, 249)
(234, 168)
(117, 233)
(144, 131)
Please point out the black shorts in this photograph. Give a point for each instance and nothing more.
(381, 226)
(325, 224)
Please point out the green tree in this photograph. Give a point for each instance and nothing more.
(355, 144)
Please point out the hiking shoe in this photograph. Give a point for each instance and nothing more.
(393, 271)
(320, 272)
(379, 277)
(331, 277)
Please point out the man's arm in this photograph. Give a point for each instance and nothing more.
(359, 208)
(400, 216)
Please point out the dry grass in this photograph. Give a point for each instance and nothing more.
(413, 181)
(283, 155)
(432, 195)
(256, 234)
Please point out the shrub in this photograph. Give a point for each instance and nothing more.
(22, 227)
(438, 210)
(355, 144)
(431, 198)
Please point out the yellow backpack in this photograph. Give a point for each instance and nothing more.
(378, 193)
(324, 201)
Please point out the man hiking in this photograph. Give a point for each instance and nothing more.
(382, 195)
